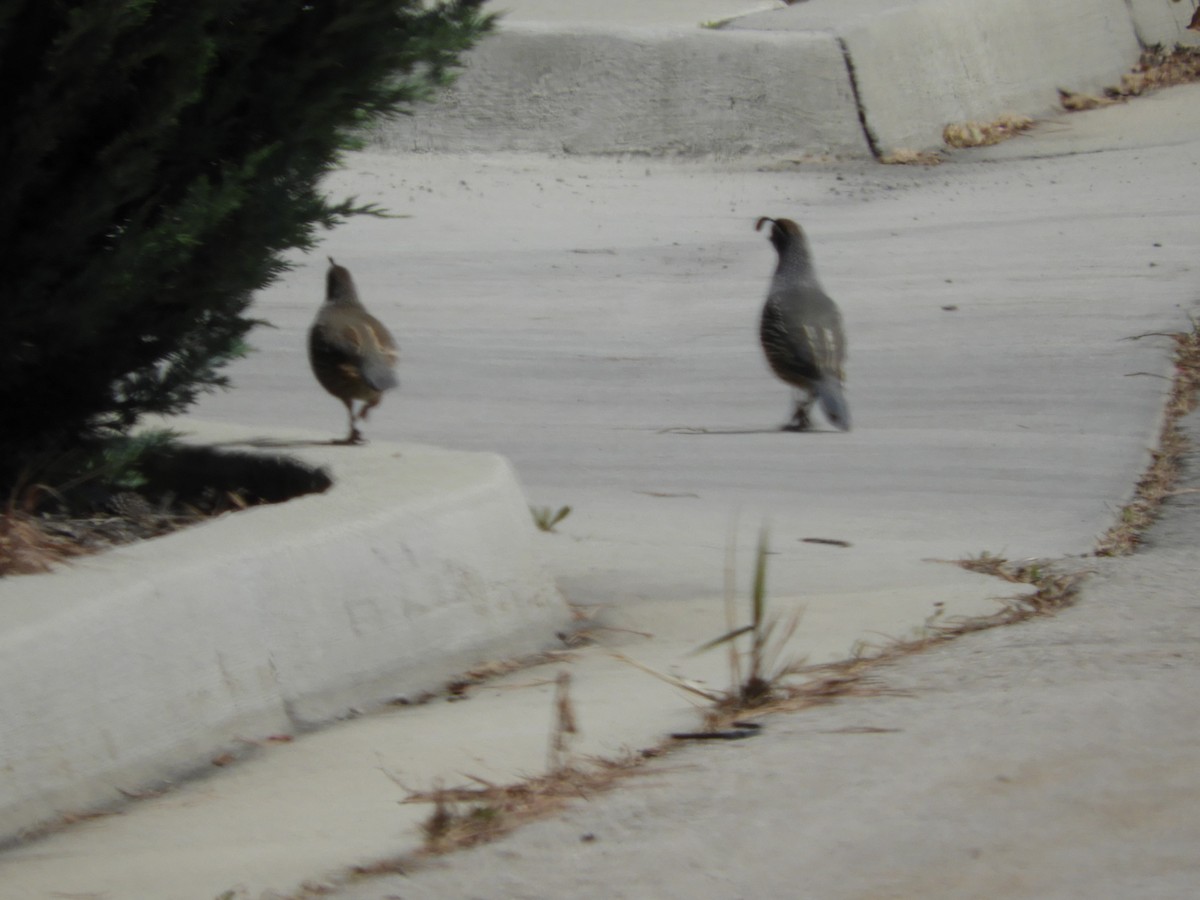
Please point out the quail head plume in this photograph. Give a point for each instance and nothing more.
(801, 330)
(352, 353)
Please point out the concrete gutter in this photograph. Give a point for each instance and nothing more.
(140, 665)
(820, 78)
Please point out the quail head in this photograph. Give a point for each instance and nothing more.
(801, 331)
(351, 352)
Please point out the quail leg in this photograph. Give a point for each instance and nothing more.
(369, 405)
(800, 420)
(354, 436)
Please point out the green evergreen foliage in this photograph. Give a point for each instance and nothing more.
(157, 158)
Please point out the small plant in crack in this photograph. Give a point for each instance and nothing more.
(758, 669)
(546, 517)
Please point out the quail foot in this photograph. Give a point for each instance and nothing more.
(351, 352)
(801, 331)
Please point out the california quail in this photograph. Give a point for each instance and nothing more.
(801, 330)
(351, 352)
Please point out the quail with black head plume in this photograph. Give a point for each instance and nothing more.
(351, 352)
(802, 332)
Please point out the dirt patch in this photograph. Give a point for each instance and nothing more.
(181, 486)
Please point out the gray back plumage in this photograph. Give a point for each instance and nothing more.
(801, 330)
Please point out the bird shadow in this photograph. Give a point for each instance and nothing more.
(687, 429)
(265, 443)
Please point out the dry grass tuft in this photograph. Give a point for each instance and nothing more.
(1157, 68)
(999, 567)
(981, 134)
(1074, 101)
(1158, 481)
(1055, 589)
(823, 684)
(26, 548)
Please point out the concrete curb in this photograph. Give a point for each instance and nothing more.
(822, 78)
(140, 665)
(692, 91)
(920, 66)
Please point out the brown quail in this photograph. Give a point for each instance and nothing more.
(351, 352)
(802, 332)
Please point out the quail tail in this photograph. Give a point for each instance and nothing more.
(378, 373)
(833, 403)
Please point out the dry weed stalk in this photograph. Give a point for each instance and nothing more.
(565, 726)
(465, 816)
